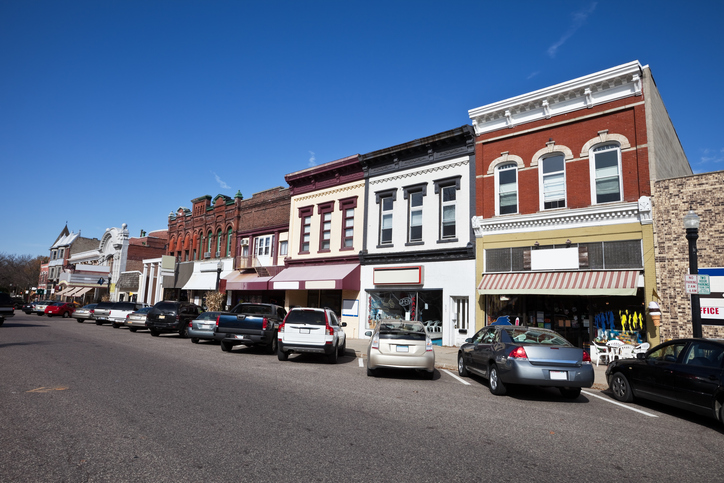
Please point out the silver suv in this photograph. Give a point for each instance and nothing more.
(312, 330)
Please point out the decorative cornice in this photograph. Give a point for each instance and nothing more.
(327, 192)
(420, 172)
(436, 255)
(581, 93)
(609, 214)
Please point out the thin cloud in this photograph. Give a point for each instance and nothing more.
(533, 74)
(221, 182)
(712, 156)
(579, 18)
(312, 159)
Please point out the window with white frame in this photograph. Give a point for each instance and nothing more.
(506, 180)
(283, 247)
(386, 200)
(414, 195)
(606, 173)
(460, 312)
(553, 181)
(447, 189)
(347, 207)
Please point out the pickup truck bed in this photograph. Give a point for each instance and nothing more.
(249, 324)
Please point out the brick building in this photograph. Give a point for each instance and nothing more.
(564, 182)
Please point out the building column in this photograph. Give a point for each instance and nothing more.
(143, 288)
(152, 283)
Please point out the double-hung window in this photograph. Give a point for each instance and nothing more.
(447, 191)
(414, 196)
(506, 179)
(606, 173)
(553, 181)
(325, 227)
(386, 200)
(211, 241)
(306, 228)
(228, 243)
(347, 207)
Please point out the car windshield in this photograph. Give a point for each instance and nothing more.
(532, 335)
(402, 330)
(310, 317)
(91, 306)
(58, 304)
(124, 306)
(165, 306)
(142, 311)
(252, 309)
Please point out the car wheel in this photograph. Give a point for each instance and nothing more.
(98, 322)
(570, 392)
(281, 355)
(194, 340)
(183, 332)
(154, 333)
(462, 370)
(342, 350)
(50, 315)
(621, 388)
(495, 385)
(115, 326)
(133, 329)
(80, 321)
(371, 372)
(66, 315)
(332, 358)
(272, 348)
(225, 346)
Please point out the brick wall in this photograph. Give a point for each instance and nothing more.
(672, 199)
(266, 209)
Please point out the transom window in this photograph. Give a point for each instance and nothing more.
(607, 173)
(507, 181)
(553, 182)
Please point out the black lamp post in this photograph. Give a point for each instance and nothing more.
(691, 223)
(219, 266)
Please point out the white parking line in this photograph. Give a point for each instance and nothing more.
(361, 363)
(456, 377)
(619, 404)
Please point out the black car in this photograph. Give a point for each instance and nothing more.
(171, 316)
(684, 373)
(28, 308)
(7, 307)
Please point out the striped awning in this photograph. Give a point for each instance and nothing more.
(604, 282)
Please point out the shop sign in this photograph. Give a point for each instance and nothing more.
(712, 301)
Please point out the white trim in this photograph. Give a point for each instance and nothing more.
(541, 191)
(497, 189)
(592, 171)
(505, 158)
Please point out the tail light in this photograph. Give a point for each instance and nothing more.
(586, 357)
(376, 341)
(92, 311)
(428, 344)
(128, 316)
(191, 324)
(518, 353)
(217, 320)
(264, 323)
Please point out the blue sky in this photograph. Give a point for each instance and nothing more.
(118, 112)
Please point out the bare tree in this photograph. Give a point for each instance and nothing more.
(19, 273)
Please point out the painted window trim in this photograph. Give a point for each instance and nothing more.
(541, 193)
(592, 170)
(379, 196)
(439, 185)
(497, 188)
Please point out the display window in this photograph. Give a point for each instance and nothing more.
(424, 306)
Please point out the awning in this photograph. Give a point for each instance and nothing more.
(619, 282)
(64, 291)
(201, 281)
(340, 276)
(82, 292)
(246, 281)
(71, 291)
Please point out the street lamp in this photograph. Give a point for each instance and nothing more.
(219, 266)
(691, 223)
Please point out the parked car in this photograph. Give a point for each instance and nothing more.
(84, 313)
(202, 327)
(137, 320)
(63, 309)
(251, 325)
(171, 316)
(102, 312)
(28, 308)
(41, 305)
(510, 354)
(402, 344)
(684, 373)
(120, 310)
(7, 308)
(311, 330)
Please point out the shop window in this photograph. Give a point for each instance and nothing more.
(622, 254)
(606, 173)
(506, 185)
(553, 182)
(386, 201)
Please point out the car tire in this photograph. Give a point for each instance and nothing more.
(332, 358)
(183, 332)
(50, 315)
(115, 325)
(133, 329)
(272, 348)
(80, 321)
(66, 315)
(154, 332)
(194, 340)
(342, 350)
(621, 388)
(495, 385)
(98, 322)
(371, 372)
(570, 392)
(462, 370)
(225, 346)
(281, 355)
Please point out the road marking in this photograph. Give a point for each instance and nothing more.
(620, 404)
(48, 389)
(361, 363)
(456, 377)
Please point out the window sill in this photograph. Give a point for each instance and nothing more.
(346, 249)
(448, 240)
(414, 244)
(303, 253)
(386, 245)
(326, 250)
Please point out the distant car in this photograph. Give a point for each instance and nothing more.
(41, 305)
(84, 313)
(137, 320)
(6, 307)
(202, 327)
(311, 330)
(102, 312)
(684, 373)
(402, 344)
(511, 354)
(63, 309)
(28, 308)
(171, 316)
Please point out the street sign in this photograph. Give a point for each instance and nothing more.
(697, 284)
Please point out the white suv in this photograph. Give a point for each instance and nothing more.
(311, 330)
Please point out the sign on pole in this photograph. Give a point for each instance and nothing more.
(697, 284)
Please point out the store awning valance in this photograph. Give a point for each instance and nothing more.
(603, 282)
(333, 276)
(246, 281)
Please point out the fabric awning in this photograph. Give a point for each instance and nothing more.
(71, 291)
(246, 281)
(82, 292)
(64, 291)
(201, 281)
(339, 276)
(615, 282)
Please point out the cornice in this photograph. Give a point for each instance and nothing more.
(435, 255)
(420, 172)
(327, 192)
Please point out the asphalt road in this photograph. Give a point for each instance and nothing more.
(80, 402)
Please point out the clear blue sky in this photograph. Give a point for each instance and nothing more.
(118, 112)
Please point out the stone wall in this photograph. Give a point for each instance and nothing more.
(672, 199)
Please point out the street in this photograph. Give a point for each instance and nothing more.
(80, 402)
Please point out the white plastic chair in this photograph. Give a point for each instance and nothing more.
(641, 348)
(614, 347)
(598, 352)
(626, 351)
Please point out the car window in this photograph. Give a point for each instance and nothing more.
(532, 335)
(310, 317)
(488, 337)
(704, 354)
(165, 306)
(404, 329)
(478, 335)
(281, 313)
(667, 353)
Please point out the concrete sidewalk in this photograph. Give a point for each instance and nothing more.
(447, 358)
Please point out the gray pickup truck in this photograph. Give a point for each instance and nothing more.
(250, 324)
(7, 307)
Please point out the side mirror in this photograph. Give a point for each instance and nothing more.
(468, 340)
(641, 355)
(368, 333)
(344, 324)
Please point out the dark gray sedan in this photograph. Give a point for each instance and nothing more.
(202, 328)
(506, 354)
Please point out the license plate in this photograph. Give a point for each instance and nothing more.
(304, 331)
(161, 316)
(240, 337)
(403, 348)
(204, 326)
(559, 376)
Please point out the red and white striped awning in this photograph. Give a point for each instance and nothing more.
(604, 282)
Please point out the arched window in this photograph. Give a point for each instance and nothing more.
(506, 187)
(210, 237)
(228, 243)
(552, 169)
(606, 185)
(218, 242)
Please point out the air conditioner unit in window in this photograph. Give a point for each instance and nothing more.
(207, 254)
(245, 242)
(218, 254)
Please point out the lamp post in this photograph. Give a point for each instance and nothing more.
(219, 266)
(691, 223)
